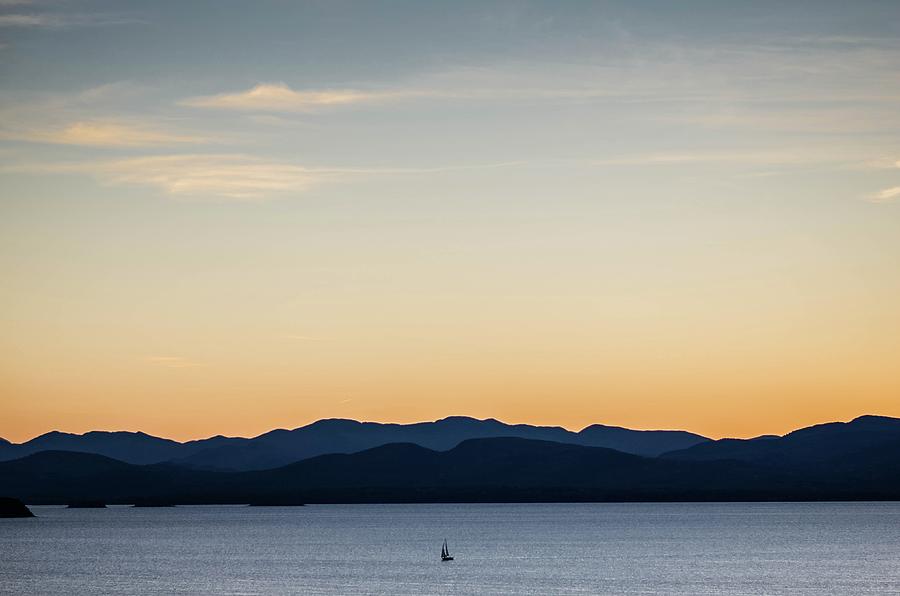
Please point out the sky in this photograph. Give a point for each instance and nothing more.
(232, 216)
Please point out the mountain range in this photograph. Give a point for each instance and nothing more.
(281, 447)
(857, 460)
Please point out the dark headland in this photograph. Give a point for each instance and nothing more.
(10, 507)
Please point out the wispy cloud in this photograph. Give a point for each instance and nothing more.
(888, 195)
(222, 176)
(278, 97)
(243, 177)
(880, 163)
(677, 159)
(24, 20)
(739, 86)
(793, 156)
(51, 20)
(238, 177)
(452, 86)
(101, 133)
(103, 116)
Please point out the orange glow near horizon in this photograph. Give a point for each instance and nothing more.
(244, 349)
(721, 387)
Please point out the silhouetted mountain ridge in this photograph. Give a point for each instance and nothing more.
(485, 469)
(865, 443)
(133, 447)
(334, 435)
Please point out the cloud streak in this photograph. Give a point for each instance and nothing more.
(244, 177)
(62, 20)
(102, 133)
(776, 157)
(888, 195)
(229, 176)
(237, 177)
(278, 97)
(223, 176)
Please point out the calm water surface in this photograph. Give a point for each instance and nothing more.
(833, 548)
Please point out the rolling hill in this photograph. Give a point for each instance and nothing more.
(864, 452)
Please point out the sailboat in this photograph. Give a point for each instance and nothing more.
(445, 552)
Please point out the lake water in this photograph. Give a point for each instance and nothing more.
(766, 548)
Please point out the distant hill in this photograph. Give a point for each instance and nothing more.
(66, 476)
(506, 469)
(811, 446)
(863, 453)
(132, 447)
(281, 447)
(477, 470)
